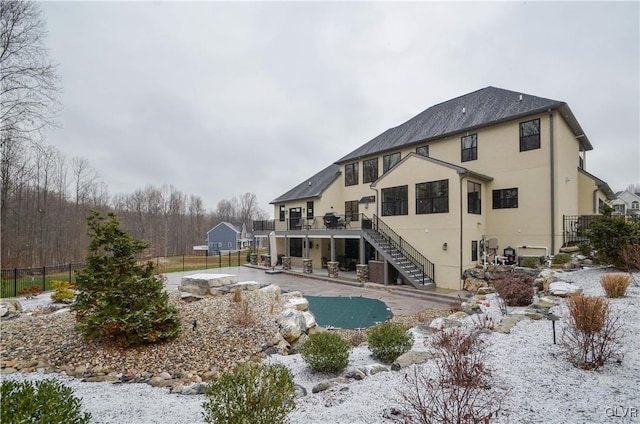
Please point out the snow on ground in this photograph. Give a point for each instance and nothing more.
(543, 386)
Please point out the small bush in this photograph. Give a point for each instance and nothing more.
(615, 285)
(585, 249)
(244, 314)
(530, 262)
(459, 389)
(63, 291)
(326, 352)
(387, 341)
(516, 289)
(237, 295)
(250, 393)
(42, 402)
(593, 335)
(33, 291)
(356, 338)
(630, 256)
(561, 259)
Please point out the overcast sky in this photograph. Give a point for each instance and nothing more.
(219, 99)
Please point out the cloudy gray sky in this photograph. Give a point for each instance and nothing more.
(222, 98)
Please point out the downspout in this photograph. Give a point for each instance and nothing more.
(462, 177)
(552, 177)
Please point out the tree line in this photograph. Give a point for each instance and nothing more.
(45, 198)
(45, 201)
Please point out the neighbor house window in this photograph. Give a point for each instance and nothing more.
(469, 147)
(394, 201)
(295, 247)
(423, 150)
(351, 174)
(351, 210)
(432, 197)
(474, 250)
(635, 205)
(474, 204)
(369, 170)
(389, 161)
(530, 135)
(282, 209)
(505, 198)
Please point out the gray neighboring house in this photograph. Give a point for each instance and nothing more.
(228, 236)
(627, 203)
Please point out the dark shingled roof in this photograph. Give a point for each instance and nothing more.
(481, 108)
(312, 187)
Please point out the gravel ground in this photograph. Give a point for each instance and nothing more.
(50, 341)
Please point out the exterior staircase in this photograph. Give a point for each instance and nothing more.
(413, 266)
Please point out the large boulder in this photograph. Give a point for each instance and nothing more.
(564, 289)
(410, 358)
(10, 307)
(473, 284)
(206, 284)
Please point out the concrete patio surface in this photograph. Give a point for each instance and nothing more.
(402, 300)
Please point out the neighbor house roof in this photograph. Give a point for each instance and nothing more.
(478, 109)
(312, 187)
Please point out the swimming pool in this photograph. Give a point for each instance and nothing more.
(348, 312)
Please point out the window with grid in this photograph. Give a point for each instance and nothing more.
(474, 205)
(394, 201)
(351, 210)
(469, 147)
(309, 210)
(369, 170)
(505, 198)
(282, 209)
(530, 135)
(432, 197)
(351, 174)
(474, 250)
(423, 150)
(389, 161)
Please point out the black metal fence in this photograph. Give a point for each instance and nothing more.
(20, 281)
(575, 227)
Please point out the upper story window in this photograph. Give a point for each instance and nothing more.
(432, 197)
(282, 212)
(581, 160)
(394, 200)
(529, 135)
(389, 161)
(423, 150)
(351, 174)
(505, 198)
(469, 147)
(369, 170)
(474, 204)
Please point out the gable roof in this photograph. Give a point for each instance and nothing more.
(311, 187)
(602, 185)
(237, 228)
(456, 168)
(487, 106)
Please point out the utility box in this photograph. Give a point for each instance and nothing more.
(509, 254)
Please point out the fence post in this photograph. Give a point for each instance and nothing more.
(206, 261)
(44, 278)
(238, 258)
(69, 273)
(182, 262)
(15, 282)
(219, 258)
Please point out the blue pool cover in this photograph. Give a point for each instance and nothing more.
(348, 312)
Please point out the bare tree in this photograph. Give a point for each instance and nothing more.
(227, 210)
(28, 80)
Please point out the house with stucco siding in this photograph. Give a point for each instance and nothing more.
(447, 190)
